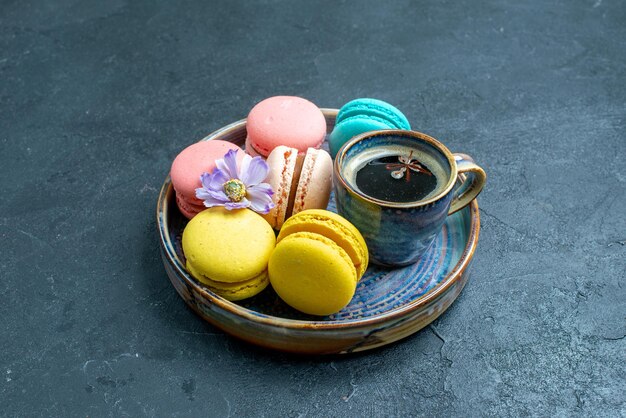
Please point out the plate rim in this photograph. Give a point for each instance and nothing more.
(299, 324)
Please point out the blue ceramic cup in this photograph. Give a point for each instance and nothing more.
(397, 233)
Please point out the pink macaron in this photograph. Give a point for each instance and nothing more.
(300, 181)
(189, 165)
(284, 120)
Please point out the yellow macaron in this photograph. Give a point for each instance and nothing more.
(312, 274)
(229, 251)
(334, 227)
(235, 291)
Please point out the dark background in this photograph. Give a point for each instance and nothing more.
(97, 97)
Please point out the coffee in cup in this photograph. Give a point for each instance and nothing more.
(397, 187)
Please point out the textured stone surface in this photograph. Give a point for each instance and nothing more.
(96, 98)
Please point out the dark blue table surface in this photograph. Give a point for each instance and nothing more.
(96, 99)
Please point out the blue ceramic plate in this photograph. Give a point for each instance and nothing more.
(389, 304)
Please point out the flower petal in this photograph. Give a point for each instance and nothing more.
(243, 203)
(256, 172)
(204, 194)
(229, 164)
(243, 168)
(205, 180)
(218, 194)
(261, 198)
(209, 203)
(265, 187)
(218, 178)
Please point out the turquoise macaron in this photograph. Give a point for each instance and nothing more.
(364, 115)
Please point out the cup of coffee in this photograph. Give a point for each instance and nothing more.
(397, 187)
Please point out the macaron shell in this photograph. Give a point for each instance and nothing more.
(251, 151)
(312, 274)
(285, 120)
(353, 126)
(228, 246)
(315, 182)
(364, 115)
(282, 162)
(376, 108)
(334, 227)
(194, 160)
(189, 210)
(234, 291)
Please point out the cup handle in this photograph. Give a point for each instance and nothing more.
(472, 184)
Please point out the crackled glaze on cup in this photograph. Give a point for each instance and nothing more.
(398, 233)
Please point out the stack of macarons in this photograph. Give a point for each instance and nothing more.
(301, 173)
(317, 259)
(289, 131)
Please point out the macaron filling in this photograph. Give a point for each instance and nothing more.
(257, 149)
(188, 209)
(305, 172)
(295, 184)
(369, 119)
(232, 291)
(283, 162)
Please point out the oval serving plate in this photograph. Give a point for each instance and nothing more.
(389, 304)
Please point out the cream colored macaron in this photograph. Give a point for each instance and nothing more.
(300, 181)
